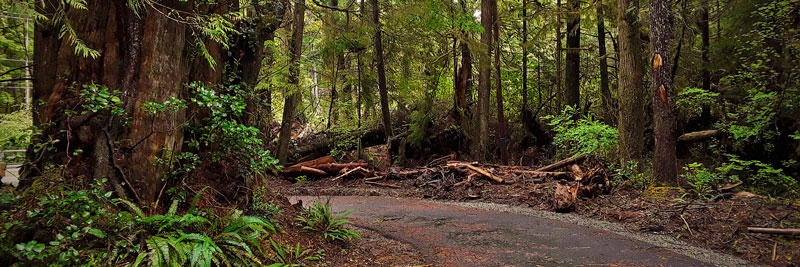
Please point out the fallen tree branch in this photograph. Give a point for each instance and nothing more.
(485, 173)
(774, 231)
(563, 163)
(367, 172)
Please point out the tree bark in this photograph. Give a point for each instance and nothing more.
(484, 79)
(572, 83)
(251, 53)
(293, 95)
(705, 72)
(502, 124)
(631, 120)
(559, 57)
(384, 94)
(525, 55)
(605, 92)
(135, 60)
(664, 124)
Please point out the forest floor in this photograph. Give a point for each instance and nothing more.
(719, 226)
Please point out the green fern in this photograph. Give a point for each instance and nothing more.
(319, 218)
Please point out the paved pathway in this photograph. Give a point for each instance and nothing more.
(451, 235)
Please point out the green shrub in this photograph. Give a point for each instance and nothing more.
(319, 218)
(702, 180)
(761, 176)
(86, 228)
(289, 256)
(583, 136)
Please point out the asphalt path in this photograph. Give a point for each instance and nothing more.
(451, 234)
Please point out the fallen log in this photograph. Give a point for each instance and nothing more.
(317, 161)
(562, 163)
(697, 136)
(485, 173)
(729, 187)
(322, 143)
(336, 167)
(382, 184)
(311, 171)
(774, 231)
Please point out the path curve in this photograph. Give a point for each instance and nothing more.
(455, 235)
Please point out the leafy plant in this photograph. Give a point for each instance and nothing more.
(585, 135)
(288, 256)
(319, 218)
(701, 179)
(85, 228)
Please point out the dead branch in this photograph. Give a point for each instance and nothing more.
(485, 173)
(562, 163)
(774, 231)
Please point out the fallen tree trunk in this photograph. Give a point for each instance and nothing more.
(774, 231)
(321, 144)
(697, 136)
(562, 163)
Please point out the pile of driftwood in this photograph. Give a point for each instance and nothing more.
(446, 174)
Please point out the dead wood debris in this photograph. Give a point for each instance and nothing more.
(444, 173)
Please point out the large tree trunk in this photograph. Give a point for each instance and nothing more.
(664, 124)
(484, 79)
(502, 124)
(608, 105)
(631, 94)
(559, 56)
(705, 72)
(384, 94)
(293, 94)
(572, 85)
(250, 53)
(147, 59)
(525, 55)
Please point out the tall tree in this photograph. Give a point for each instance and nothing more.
(484, 78)
(664, 124)
(631, 91)
(138, 52)
(705, 34)
(384, 94)
(502, 124)
(573, 72)
(293, 95)
(601, 51)
(559, 55)
(525, 55)
(249, 51)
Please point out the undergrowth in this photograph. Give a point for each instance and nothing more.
(318, 218)
(88, 227)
